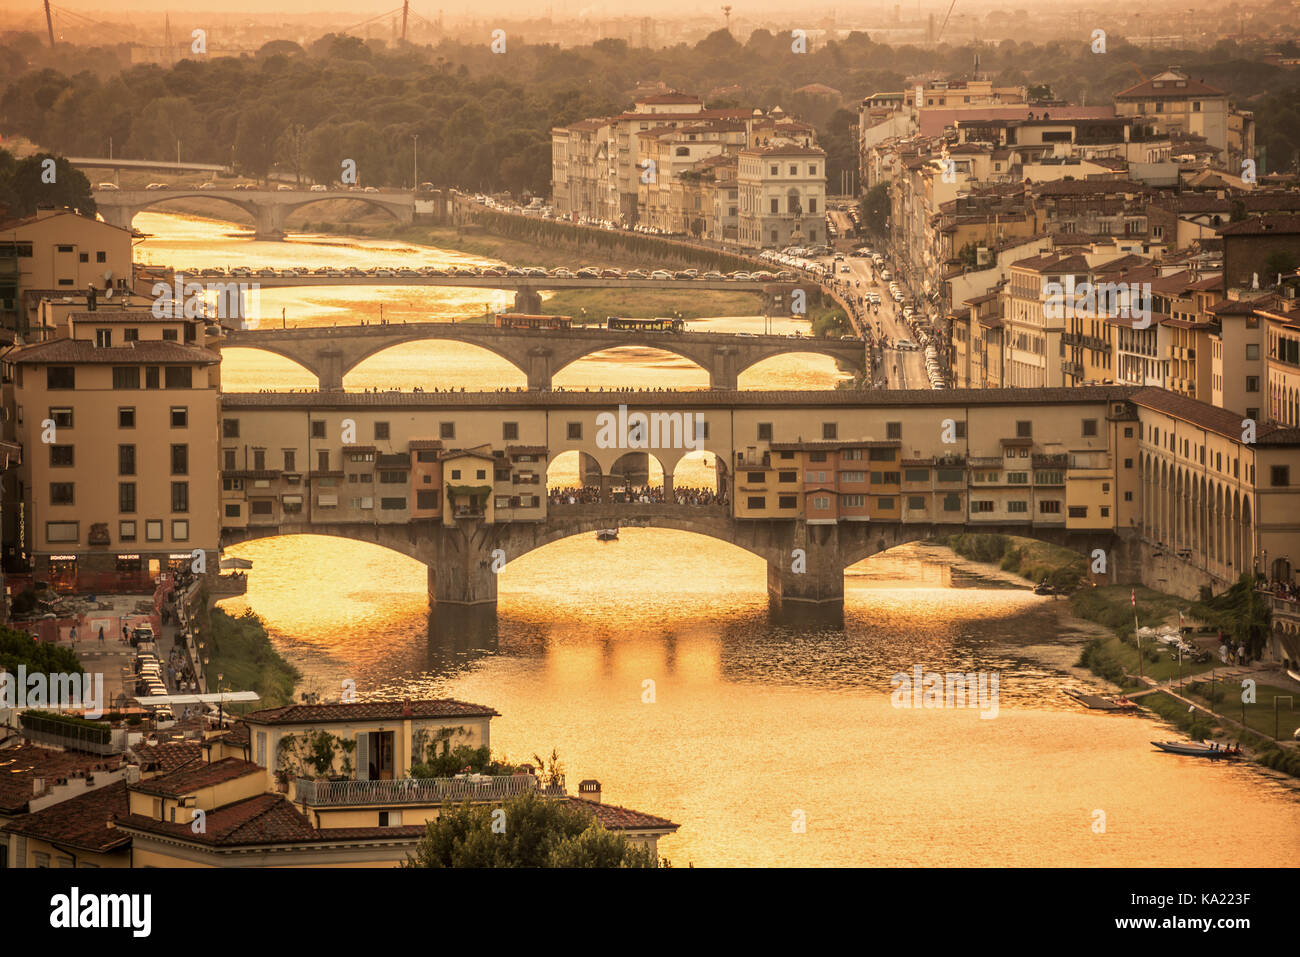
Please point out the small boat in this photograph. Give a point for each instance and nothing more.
(607, 535)
(1194, 749)
(1042, 588)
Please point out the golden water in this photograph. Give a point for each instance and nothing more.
(751, 722)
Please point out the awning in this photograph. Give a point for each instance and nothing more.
(236, 563)
(227, 697)
(291, 499)
(469, 490)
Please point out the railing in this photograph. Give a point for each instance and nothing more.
(421, 790)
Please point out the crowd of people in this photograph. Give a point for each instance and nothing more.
(641, 495)
(1284, 590)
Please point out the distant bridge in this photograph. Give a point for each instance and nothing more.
(330, 353)
(162, 166)
(268, 207)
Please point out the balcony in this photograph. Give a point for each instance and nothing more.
(474, 787)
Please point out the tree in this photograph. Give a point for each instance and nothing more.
(1282, 261)
(528, 831)
(19, 648)
(875, 209)
(255, 140)
(27, 183)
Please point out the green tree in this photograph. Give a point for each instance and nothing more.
(528, 831)
(875, 209)
(25, 185)
(39, 657)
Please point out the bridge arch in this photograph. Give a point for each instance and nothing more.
(355, 360)
(159, 197)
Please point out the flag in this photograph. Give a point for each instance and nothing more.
(1133, 597)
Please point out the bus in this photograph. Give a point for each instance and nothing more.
(661, 324)
(516, 320)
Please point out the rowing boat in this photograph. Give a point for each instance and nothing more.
(1193, 749)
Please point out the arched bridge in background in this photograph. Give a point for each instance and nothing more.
(330, 353)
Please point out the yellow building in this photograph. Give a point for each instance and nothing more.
(121, 472)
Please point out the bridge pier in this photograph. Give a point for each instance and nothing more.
(460, 572)
(119, 216)
(724, 371)
(329, 367)
(806, 574)
(528, 300)
(270, 221)
(539, 369)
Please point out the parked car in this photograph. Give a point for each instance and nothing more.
(320, 188)
(110, 187)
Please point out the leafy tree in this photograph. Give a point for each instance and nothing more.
(534, 831)
(23, 185)
(875, 209)
(39, 657)
(1282, 261)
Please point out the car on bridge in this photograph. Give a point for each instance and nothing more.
(407, 273)
(207, 186)
(611, 273)
(336, 274)
(157, 186)
(588, 272)
(562, 273)
(111, 187)
(385, 273)
(661, 274)
(320, 188)
(535, 272)
(635, 274)
(740, 277)
(355, 271)
(284, 188)
(497, 271)
(714, 275)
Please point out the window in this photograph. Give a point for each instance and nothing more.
(1252, 351)
(381, 431)
(228, 460)
(787, 501)
(392, 504)
(290, 460)
(1089, 427)
(63, 532)
(126, 377)
(61, 456)
(126, 497)
(573, 430)
(103, 338)
(179, 377)
(180, 459)
(60, 377)
(399, 478)
(1017, 478)
(126, 460)
(755, 477)
(1128, 431)
(1024, 430)
(427, 498)
(180, 530)
(960, 430)
(916, 503)
(180, 416)
(153, 530)
(916, 475)
(318, 428)
(126, 417)
(787, 476)
(323, 460)
(180, 496)
(950, 475)
(765, 431)
(1018, 506)
(259, 460)
(232, 510)
(1050, 507)
(830, 431)
(776, 205)
(952, 502)
(848, 477)
(447, 430)
(1128, 496)
(757, 501)
(1128, 463)
(1280, 476)
(61, 493)
(1252, 383)
(230, 428)
(854, 501)
(1078, 511)
(981, 506)
(822, 502)
(262, 506)
(893, 430)
(126, 531)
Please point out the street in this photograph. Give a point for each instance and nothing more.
(904, 370)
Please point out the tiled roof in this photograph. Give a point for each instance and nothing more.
(193, 778)
(1201, 414)
(22, 765)
(1147, 89)
(80, 822)
(264, 819)
(115, 314)
(615, 818)
(168, 756)
(369, 711)
(83, 350)
(1268, 224)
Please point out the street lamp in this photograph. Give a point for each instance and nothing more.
(415, 162)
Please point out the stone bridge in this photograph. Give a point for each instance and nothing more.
(460, 558)
(330, 353)
(268, 207)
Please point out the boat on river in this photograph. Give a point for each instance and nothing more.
(607, 534)
(1194, 749)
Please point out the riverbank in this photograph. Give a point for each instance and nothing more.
(1195, 692)
(240, 650)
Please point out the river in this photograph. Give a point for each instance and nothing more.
(769, 744)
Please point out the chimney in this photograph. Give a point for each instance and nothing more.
(589, 790)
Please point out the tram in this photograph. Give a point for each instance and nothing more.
(517, 320)
(662, 324)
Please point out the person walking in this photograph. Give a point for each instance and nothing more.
(72, 635)
(101, 636)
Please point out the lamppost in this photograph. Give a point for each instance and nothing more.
(415, 162)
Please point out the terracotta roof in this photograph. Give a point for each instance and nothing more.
(1148, 90)
(1201, 414)
(615, 818)
(263, 819)
(82, 350)
(125, 315)
(21, 766)
(369, 711)
(194, 778)
(80, 822)
(168, 756)
(1269, 223)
